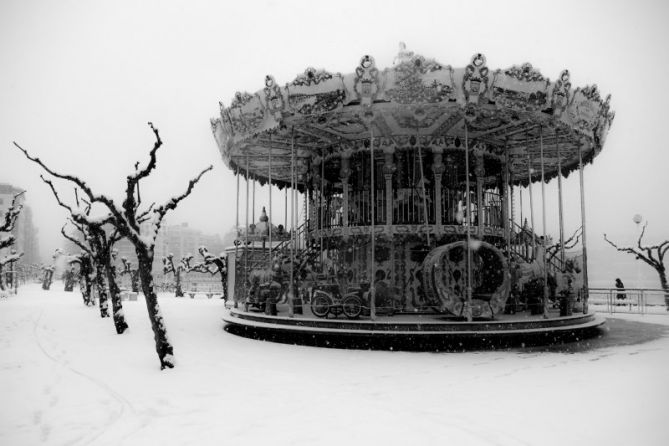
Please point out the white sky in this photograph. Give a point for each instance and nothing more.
(79, 81)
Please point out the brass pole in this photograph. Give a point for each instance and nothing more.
(468, 308)
(584, 244)
(529, 186)
(292, 222)
(372, 289)
(560, 210)
(269, 217)
(543, 219)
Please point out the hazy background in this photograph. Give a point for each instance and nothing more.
(80, 79)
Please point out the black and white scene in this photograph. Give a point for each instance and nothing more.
(333, 223)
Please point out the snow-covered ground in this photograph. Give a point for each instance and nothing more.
(66, 378)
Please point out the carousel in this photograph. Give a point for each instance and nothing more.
(394, 219)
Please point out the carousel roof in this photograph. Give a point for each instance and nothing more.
(417, 102)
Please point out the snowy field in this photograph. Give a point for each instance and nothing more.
(66, 378)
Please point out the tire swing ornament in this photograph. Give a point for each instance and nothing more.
(445, 278)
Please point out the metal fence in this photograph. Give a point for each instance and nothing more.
(629, 300)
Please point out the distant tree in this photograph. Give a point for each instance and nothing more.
(213, 265)
(86, 270)
(130, 270)
(127, 219)
(650, 255)
(7, 239)
(47, 278)
(170, 267)
(69, 277)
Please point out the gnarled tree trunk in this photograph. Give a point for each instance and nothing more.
(115, 296)
(102, 290)
(163, 346)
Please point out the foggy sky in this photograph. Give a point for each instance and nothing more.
(80, 80)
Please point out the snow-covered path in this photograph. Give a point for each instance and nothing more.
(67, 378)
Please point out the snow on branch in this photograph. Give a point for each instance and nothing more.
(12, 214)
(13, 257)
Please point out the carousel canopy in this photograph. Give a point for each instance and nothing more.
(418, 102)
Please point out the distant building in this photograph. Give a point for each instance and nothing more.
(24, 231)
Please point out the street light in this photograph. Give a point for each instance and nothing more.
(637, 219)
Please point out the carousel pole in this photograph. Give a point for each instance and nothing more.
(237, 205)
(291, 310)
(543, 220)
(236, 236)
(372, 288)
(557, 147)
(529, 187)
(253, 201)
(321, 202)
(584, 244)
(468, 303)
(246, 241)
(269, 219)
(522, 223)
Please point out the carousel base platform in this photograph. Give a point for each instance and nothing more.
(415, 332)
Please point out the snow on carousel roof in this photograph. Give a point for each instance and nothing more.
(417, 102)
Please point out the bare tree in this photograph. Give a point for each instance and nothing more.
(7, 239)
(133, 273)
(98, 245)
(213, 265)
(127, 219)
(553, 250)
(650, 255)
(170, 267)
(85, 263)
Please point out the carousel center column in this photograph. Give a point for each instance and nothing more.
(345, 174)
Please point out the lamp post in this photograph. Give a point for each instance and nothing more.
(637, 219)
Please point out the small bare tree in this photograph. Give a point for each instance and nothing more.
(553, 250)
(650, 255)
(170, 267)
(7, 239)
(132, 272)
(213, 265)
(127, 219)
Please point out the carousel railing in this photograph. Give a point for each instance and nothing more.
(409, 206)
(360, 208)
(629, 300)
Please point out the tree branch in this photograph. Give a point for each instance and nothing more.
(82, 185)
(74, 240)
(638, 255)
(12, 214)
(174, 201)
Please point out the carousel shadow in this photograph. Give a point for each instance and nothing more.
(615, 333)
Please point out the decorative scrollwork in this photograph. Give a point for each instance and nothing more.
(561, 93)
(525, 72)
(366, 81)
(274, 102)
(475, 80)
(311, 76)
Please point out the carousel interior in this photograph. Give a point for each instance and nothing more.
(397, 192)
